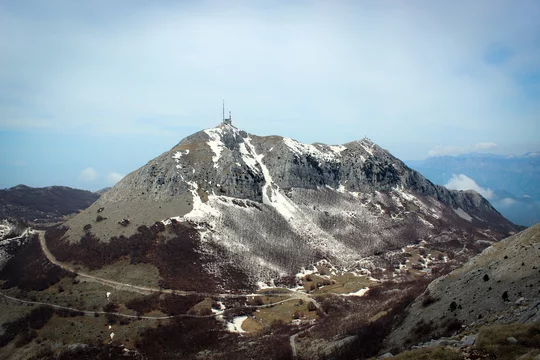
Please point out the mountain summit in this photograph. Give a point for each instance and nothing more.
(270, 206)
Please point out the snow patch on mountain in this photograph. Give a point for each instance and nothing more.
(360, 292)
(301, 149)
(367, 146)
(462, 214)
(271, 194)
(248, 157)
(215, 143)
(235, 326)
(338, 149)
(5, 228)
(177, 156)
(202, 211)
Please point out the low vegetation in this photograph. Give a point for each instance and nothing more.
(30, 269)
(438, 353)
(174, 251)
(510, 341)
(24, 329)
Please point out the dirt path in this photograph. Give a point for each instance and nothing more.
(114, 284)
(293, 346)
(145, 289)
(92, 313)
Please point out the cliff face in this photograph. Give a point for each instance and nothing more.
(273, 204)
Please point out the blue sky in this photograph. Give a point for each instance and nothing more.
(92, 90)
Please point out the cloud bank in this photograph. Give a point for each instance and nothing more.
(463, 182)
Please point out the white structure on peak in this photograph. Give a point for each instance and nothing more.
(225, 120)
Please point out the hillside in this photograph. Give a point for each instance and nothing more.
(48, 204)
(501, 285)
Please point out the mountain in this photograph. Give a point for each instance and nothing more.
(266, 207)
(513, 180)
(235, 246)
(48, 204)
(499, 286)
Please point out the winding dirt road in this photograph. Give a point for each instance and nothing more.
(146, 289)
(92, 313)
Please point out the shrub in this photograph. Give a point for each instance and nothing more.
(422, 328)
(428, 300)
(110, 307)
(143, 305)
(453, 326)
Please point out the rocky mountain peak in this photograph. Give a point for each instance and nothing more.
(227, 161)
(257, 197)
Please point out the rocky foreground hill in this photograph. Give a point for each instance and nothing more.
(496, 292)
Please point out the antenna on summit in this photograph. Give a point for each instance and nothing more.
(225, 120)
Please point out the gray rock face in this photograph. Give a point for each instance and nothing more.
(221, 161)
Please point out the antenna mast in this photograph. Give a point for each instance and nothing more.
(227, 121)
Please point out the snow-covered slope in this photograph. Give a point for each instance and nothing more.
(273, 205)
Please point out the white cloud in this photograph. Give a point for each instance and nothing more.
(455, 150)
(88, 174)
(463, 182)
(114, 177)
(507, 202)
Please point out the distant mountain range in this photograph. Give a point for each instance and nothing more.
(43, 205)
(510, 181)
